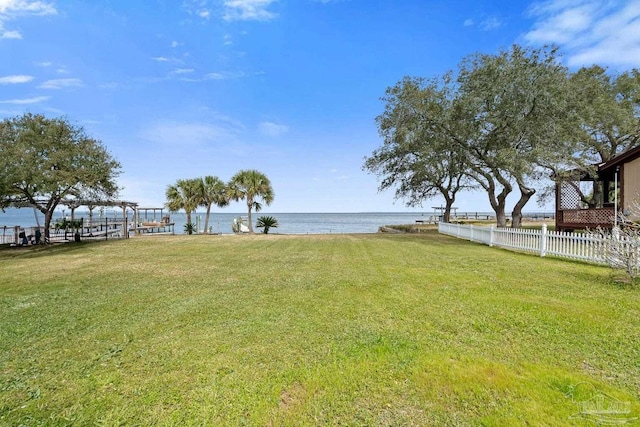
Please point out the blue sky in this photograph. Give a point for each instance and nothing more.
(182, 89)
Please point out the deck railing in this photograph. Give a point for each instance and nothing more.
(580, 246)
(104, 229)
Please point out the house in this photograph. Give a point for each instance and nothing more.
(615, 183)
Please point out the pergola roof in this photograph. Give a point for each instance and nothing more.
(75, 203)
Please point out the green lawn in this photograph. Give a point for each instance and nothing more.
(272, 330)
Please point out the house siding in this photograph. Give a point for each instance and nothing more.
(631, 188)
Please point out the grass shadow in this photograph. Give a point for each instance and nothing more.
(37, 251)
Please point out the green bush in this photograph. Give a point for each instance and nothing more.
(267, 222)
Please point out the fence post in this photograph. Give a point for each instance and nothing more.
(491, 236)
(543, 240)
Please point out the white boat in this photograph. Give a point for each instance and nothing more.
(240, 225)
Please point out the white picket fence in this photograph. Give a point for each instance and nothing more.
(580, 246)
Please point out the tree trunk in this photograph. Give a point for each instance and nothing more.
(249, 206)
(598, 195)
(499, 207)
(447, 209)
(206, 219)
(525, 195)
(48, 216)
(498, 202)
(501, 218)
(190, 229)
(47, 225)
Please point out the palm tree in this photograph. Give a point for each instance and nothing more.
(213, 192)
(247, 185)
(185, 194)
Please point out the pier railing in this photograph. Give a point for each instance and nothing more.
(103, 229)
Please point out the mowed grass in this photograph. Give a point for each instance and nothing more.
(264, 330)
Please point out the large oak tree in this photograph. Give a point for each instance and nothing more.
(608, 110)
(420, 155)
(501, 121)
(43, 161)
(518, 106)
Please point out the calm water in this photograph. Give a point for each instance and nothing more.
(290, 223)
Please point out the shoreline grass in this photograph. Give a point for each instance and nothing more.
(308, 330)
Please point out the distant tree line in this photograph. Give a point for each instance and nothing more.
(248, 185)
(503, 123)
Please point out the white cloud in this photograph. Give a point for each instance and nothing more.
(15, 79)
(248, 10)
(272, 129)
(487, 23)
(491, 23)
(589, 31)
(61, 84)
(199, 8)
(161, 59)
(44, 64)
(225, 75)
(11, 9)
(217, 76)
(175, 44)
(16, 35)
(25, 101)
(183, 71)
(24, 7)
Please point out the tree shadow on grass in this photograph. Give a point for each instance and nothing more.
(37, 251)
(430, 238)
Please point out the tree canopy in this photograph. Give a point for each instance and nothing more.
(213, 192)
(189, 194)
(503, 122)
(419, 155)
(249, 185)
(517, 106)
(608, 111)
(185, 194)
(43, 161)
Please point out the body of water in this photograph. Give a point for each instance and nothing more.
(220, 222)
